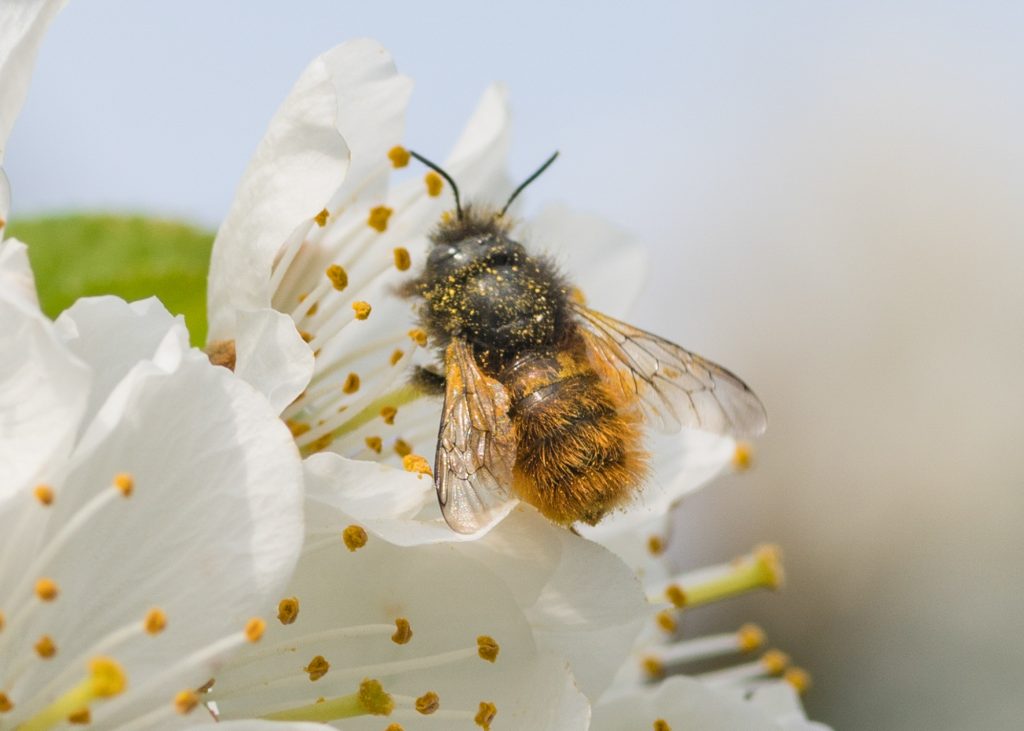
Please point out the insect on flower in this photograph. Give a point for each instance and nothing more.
(545, 400)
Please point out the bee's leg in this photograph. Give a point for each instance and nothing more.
(428, 381)
(572, 528)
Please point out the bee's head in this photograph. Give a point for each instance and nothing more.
(472, 234)
(481, 234)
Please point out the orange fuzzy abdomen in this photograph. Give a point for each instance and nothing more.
(579, 453)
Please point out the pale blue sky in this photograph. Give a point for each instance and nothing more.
(832, 192)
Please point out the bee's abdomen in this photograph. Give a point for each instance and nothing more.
(579, 455)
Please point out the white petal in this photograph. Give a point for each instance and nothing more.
(583, 603)
(112, 336)
(297, 170)
(212, 529)
(367, 491)
(388, 502)
(605, 262)
(43, 394)
(552, 702)
(22, 26)
(298, 165)
(683, 703)
(16, 278)
(449, 600)
(272, 356)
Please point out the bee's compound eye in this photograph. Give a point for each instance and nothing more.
(443, 255)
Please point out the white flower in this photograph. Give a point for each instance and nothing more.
(316, 244)
(150, 504)
(485, 626)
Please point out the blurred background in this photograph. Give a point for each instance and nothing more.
(832, 197)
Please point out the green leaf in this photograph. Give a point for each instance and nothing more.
(133, 257)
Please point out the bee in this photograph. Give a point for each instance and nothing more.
(546, 400)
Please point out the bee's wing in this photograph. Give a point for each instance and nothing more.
(674, 387)
(476, 447)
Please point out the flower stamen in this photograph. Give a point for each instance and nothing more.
(370, 700)
(106, 679)
(761, 569)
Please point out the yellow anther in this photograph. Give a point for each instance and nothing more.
(106, 677)
(435, 184)
(254, 629)
(417, 464)
(321, 218)
(396, 356)
(743, 456)
(750, 637)
(81, 717)
(3, 621)
(402, 259)
(307, 337)
(485, 715)
(675, 594)
(314, 308)
(354, 537)
(317, 668)
(222, 353)
(351, 384)
(321, 444)
(768, 560)
(799, 678)
(288, 610)
(374, 443)
(44, 494)
(378, 218)
(395, 727)
(399, 156)
(655, 545)
(125, 483)
(45, 647)
(297, 428)
(667, 621)
(403, 631)
(653, 667)
(374, 699)
(447, 217)
(338, 276)
(487, 648)
(362, 310)
(402, 448)
(388, 414)
(775, 662)
(46, 589)
(5, 703)
(155, 621)
(418, 336)
(428, 703)
(661, 725)
(185, 701)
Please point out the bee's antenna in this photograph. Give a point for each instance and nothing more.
(439, 170)
(526, 182)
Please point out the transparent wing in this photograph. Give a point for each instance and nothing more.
(476, 447)
(674, 387)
